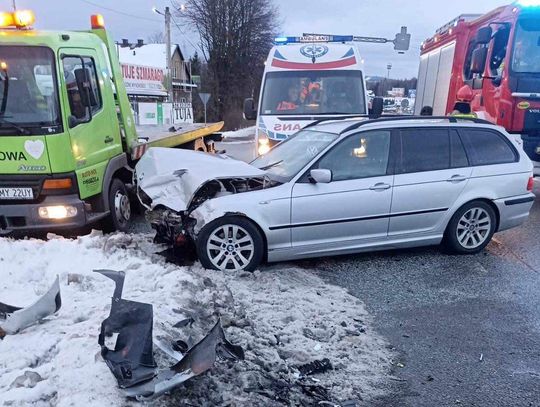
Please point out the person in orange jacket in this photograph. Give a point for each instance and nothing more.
(293, 100)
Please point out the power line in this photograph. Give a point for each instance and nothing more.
(119, 12)
(183, 33)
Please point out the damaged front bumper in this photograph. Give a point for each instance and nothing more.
(132, 360)
(15, 319)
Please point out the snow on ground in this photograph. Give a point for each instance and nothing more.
(282, 317)
(247, 133)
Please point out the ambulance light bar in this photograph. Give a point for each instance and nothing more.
(313, 38)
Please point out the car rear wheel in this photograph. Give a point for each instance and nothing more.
(471, 228)
(230, 243)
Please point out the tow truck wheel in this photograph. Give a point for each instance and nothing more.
(231, 243)
(120, 207)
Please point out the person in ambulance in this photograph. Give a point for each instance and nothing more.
(293, 99)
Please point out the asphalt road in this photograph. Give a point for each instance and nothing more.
(465, 329)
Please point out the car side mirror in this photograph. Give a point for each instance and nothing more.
(250, 112)
(321, 176)
(479, 58)
(377, 106)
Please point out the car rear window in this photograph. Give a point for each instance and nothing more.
(487, 147)
(424, 149)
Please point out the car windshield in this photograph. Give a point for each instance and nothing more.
(286, 159)
(526, 58)
(313, 92)
(28, 84)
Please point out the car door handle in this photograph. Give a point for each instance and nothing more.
(108, 140)
(457, 178)
(381, 186)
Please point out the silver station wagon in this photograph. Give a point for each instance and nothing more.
(342, 186)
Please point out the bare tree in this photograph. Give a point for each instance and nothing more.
(236, 36)
(157, 37)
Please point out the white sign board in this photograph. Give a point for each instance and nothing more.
(143, 80)
(164, 113)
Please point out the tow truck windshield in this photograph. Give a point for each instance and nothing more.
(313, 93)
(29, 87)
(526, 58)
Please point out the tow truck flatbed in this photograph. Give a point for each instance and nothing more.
(162, 136)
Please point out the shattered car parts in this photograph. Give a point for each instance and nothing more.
(165, 182)
(17, 319)
(172, 192)
(132, 360)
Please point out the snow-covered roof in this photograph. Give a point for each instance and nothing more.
(148, 55)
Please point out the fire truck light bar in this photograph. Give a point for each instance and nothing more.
(313, 38)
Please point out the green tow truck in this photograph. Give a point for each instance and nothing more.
(68, 140)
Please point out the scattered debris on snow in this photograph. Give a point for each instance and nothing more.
(132, 359)
(16, 319)
(283, 317)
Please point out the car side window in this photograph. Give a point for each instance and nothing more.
(458, 156)
(362, 155)
(81, 67)
(486, 147)
(424, 150)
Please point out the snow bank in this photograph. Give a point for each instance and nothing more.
(283, 317)
(247, 133)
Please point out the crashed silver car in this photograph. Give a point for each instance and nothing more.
(339, 187)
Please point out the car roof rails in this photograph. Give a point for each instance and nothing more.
(337, 118)
(387, 118)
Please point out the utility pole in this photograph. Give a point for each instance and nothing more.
(14, 5)
(168, 40)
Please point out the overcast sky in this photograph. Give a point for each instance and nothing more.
(134, 19)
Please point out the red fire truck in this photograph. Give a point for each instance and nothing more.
(495, 58)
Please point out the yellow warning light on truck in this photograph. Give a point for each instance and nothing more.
(97, 21)
(17, 19)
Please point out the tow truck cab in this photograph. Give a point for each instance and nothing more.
(62, 123)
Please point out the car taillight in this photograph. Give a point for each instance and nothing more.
(530, 184)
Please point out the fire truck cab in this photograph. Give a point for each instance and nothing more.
(496, 55)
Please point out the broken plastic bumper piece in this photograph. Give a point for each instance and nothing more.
(132, 360)
(15, 319)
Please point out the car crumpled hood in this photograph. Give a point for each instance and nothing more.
(171, 177)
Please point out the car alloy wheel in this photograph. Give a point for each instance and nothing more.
(473, 228)
(230, 247)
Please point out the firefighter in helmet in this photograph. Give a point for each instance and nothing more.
(462, 107)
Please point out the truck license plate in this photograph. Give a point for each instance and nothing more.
(16, 193)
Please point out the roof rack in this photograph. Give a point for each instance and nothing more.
(451, 119)
(392, 117)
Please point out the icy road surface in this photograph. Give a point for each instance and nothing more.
(282, 317)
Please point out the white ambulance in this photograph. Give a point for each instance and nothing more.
(306, 79)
